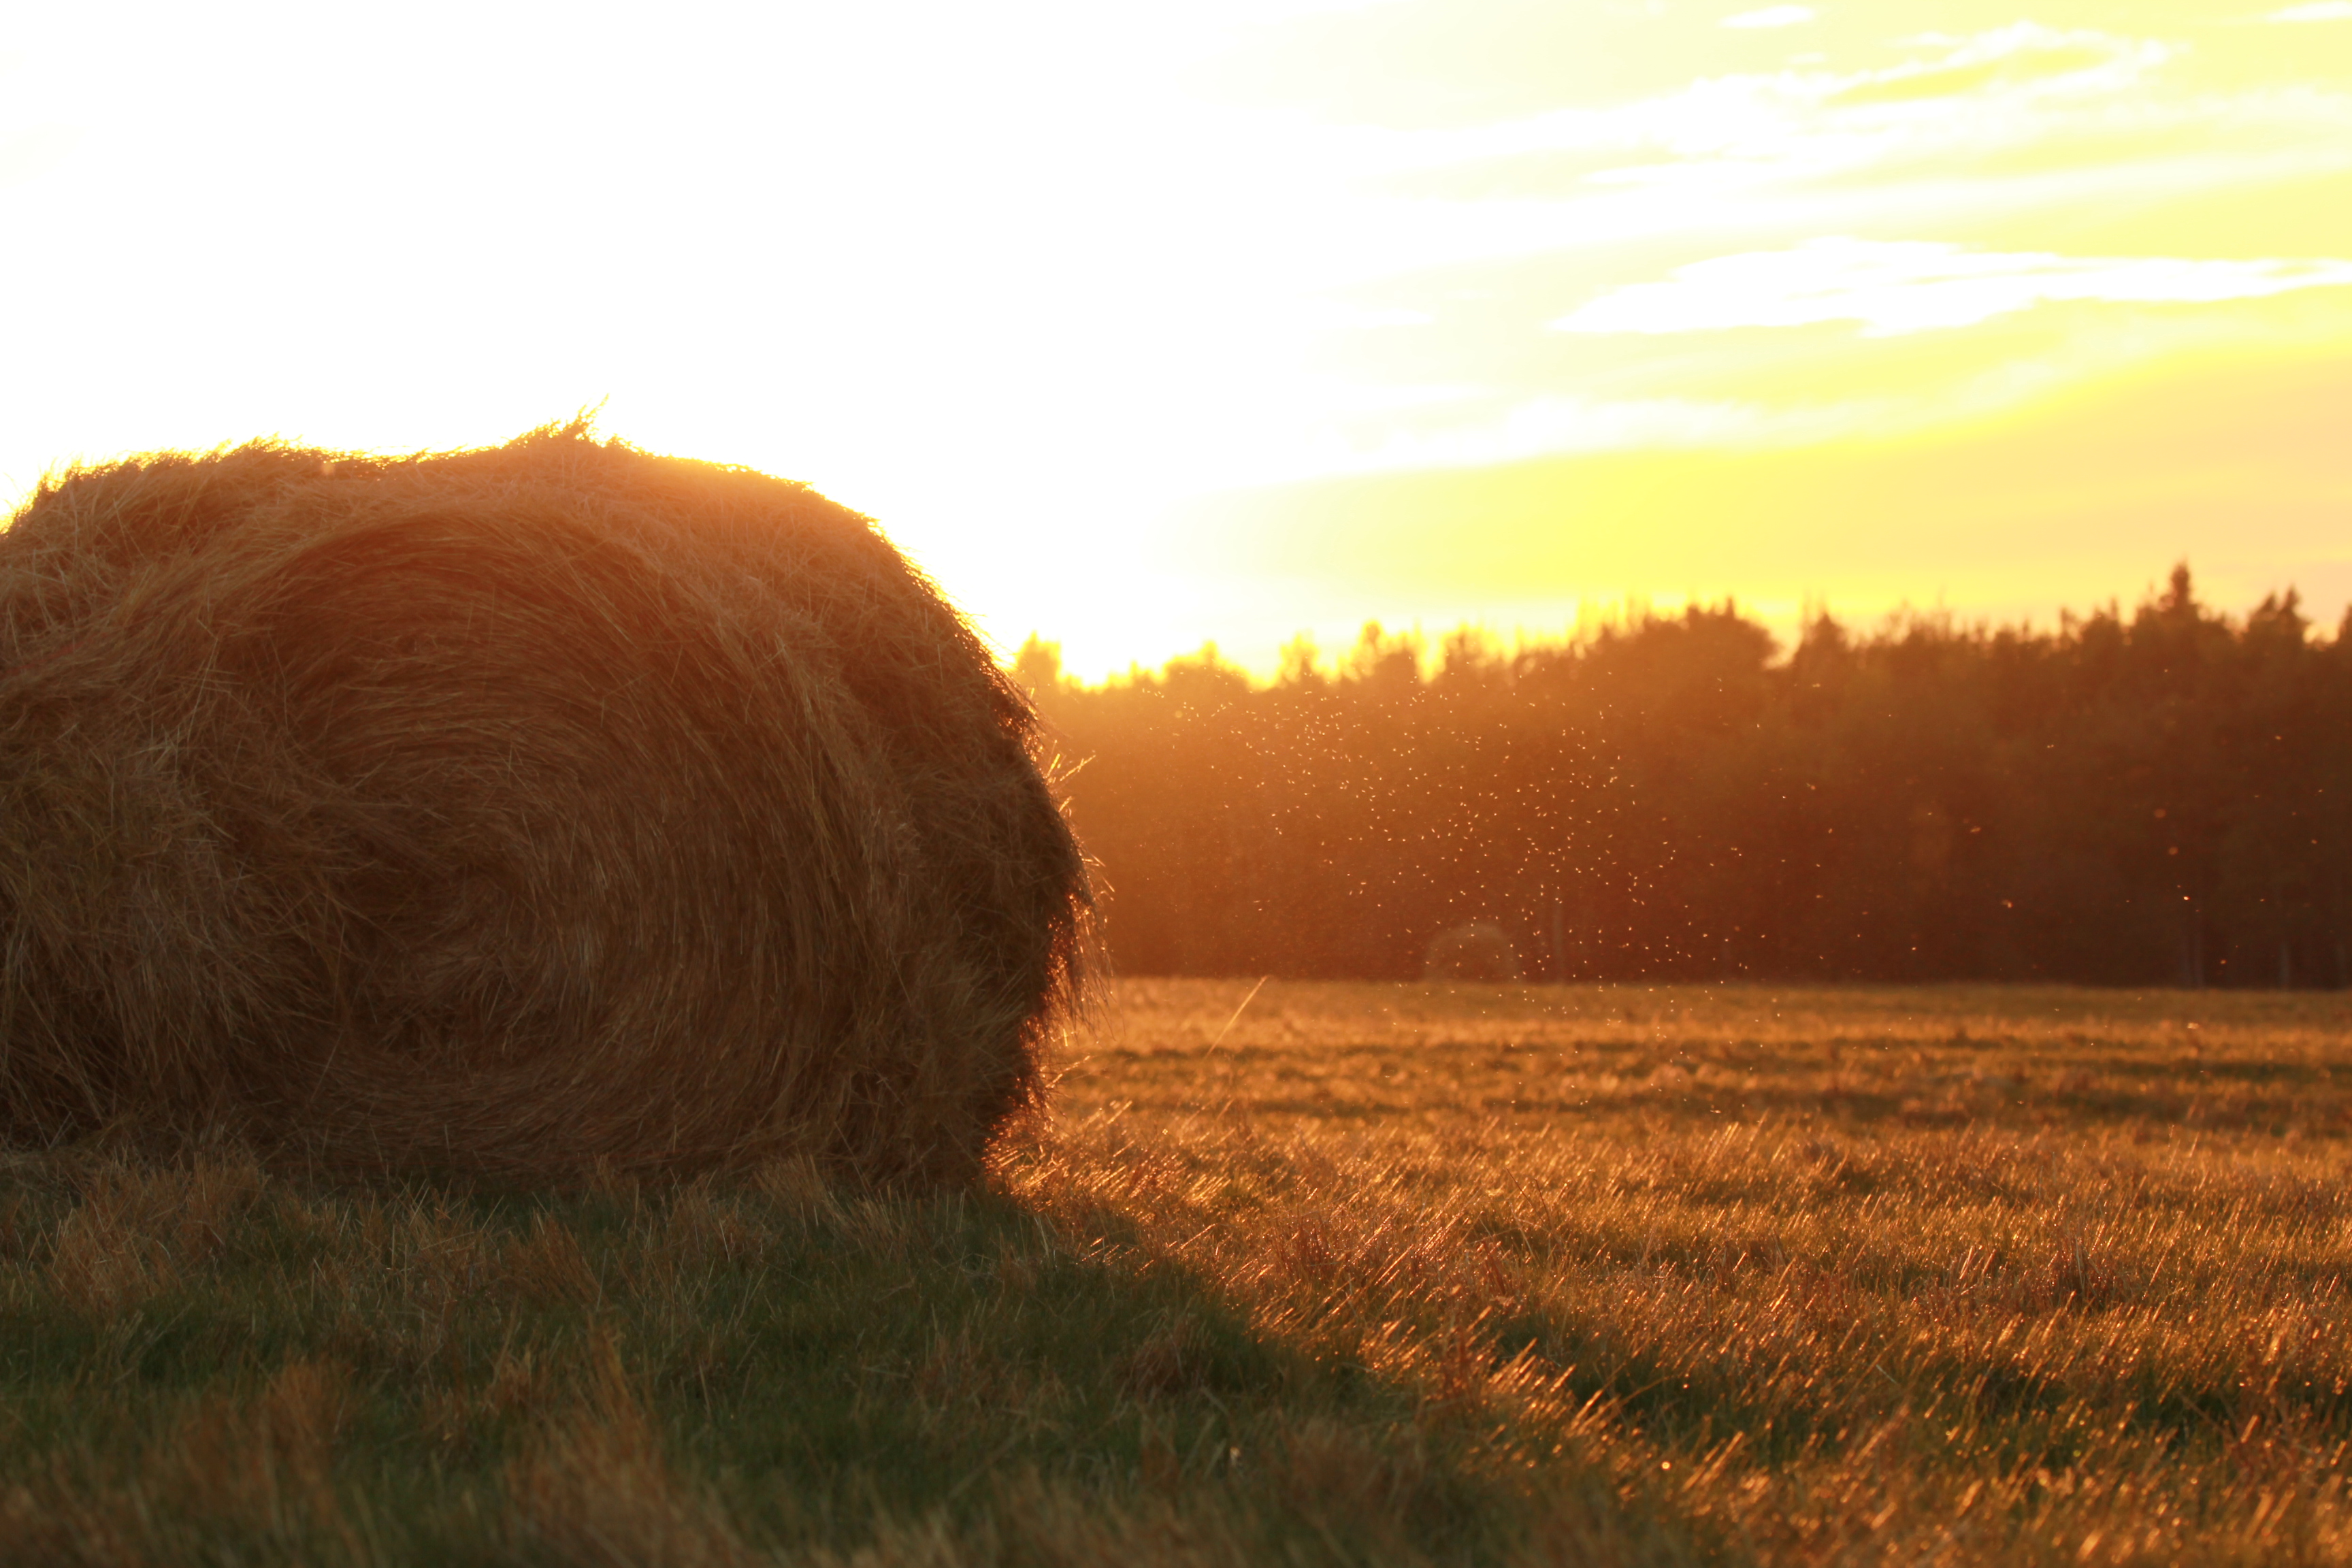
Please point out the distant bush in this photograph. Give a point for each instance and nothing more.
(2155, 797)
(1478, 951)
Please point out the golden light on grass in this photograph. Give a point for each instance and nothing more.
(1950, 1273)
(1140, 325)
(1369, 1273)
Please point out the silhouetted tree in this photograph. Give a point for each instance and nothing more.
(2158, 797)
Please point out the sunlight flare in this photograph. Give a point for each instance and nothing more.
(1035, 285)
(1772, 16)
(1892, 288)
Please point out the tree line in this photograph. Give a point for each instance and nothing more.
(2156, 797)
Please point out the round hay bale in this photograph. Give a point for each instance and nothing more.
(1478, 951)
(521, 812)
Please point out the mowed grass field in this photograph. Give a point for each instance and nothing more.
(1369, 1274)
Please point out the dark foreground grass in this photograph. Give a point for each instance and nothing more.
(205, 1366)
(1373, 1273)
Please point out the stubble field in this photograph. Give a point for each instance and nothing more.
(1365, 1274)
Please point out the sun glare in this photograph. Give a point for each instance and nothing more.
(1102, 310)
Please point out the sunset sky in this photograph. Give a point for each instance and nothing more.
(1138, 325)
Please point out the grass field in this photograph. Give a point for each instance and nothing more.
(1369, 1274)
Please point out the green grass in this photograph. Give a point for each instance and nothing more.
(1371, 1274)
(204, 1365)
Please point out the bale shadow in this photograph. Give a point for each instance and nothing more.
(763, 1370)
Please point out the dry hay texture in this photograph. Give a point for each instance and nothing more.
(520, 812)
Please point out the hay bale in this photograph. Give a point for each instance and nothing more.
(1478, 951)
(515, 812)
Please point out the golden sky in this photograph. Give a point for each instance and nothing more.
(1141, 324)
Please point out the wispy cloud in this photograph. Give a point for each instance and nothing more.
(1892, 288)
(2317, 11)
(2006, 86)
(1772, 16)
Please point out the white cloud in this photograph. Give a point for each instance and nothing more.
(1772, 16)
(1916, 285)
(2007, 86)
(2317, 11)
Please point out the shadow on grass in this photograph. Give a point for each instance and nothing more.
(202, 1363)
